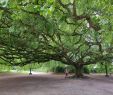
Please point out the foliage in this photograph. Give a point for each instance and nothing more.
(73, 32)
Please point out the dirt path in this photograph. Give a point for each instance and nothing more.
(46, 84)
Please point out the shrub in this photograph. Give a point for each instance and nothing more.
(86, 70)
(58, 69)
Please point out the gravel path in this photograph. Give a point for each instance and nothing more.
(47, 84)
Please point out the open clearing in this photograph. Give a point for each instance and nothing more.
(48, 84)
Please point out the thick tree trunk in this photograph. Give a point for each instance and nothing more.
(79, 71)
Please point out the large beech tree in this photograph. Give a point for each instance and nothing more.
(74, 32)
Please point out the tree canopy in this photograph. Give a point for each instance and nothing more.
(74, 32)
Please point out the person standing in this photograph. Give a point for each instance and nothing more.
(66, 72)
